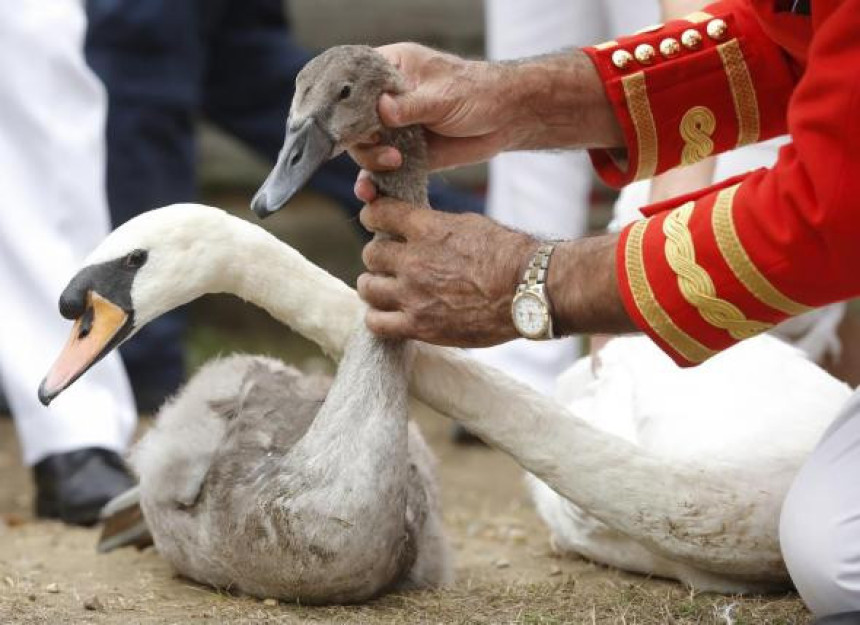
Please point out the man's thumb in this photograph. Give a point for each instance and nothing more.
(404, 110)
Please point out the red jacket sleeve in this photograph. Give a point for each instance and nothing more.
(707, 270)
(689, 88)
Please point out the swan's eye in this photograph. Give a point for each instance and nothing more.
(136, 259)
(345, 92)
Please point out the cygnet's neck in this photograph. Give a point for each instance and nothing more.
(408, 182)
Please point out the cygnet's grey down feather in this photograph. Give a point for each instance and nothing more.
(260, 479)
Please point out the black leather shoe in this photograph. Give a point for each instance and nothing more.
(843, 618)
(73, 487)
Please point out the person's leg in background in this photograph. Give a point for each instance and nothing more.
(151, 164)
(820, 523)
(251, 66)
(545, 194)
(622, 17)
(52, 161)
(149, 55)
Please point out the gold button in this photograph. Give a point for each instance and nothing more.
(621, 59)
(717, 29)
(691, 39)
(644, 54)
(670, 47)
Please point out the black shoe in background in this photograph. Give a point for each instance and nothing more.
(73, 487)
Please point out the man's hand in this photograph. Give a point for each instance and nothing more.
(473, 110)
(444, 279)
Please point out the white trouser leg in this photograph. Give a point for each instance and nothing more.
(545, 194)
(820, 525)
(52, 113)
(625, 18)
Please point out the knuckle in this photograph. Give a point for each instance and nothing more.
(420, 222)
(410, 267)
(371, 320)
(364, 215)
(369, 217)
(362, 284)
(368, 256)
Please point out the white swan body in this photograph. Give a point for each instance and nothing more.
(708, 517)
(759, 408)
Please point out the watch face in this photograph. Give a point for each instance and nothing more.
(530, 315)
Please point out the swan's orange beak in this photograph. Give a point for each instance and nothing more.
(102, 325)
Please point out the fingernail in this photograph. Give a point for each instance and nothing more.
(390, 158)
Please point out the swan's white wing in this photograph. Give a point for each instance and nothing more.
(761, 399)
(760, 406)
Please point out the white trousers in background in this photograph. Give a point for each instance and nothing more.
(819, 529)
(542, 193)
(53, 211)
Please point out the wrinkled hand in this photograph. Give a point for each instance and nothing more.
(444, 279)
(469, 108)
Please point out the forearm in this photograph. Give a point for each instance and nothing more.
(560, 102)
(583, 287)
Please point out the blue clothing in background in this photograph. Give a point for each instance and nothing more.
(165, 63)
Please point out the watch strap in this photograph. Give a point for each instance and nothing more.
(535, 273)
(534, 279)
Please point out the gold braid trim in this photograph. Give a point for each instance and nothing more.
(647, 303)
(696, 128)
(639, 106)
(743, 92)
(737, 258)
(696, 285)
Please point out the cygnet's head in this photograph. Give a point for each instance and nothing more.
(149, 265)
(334, 107)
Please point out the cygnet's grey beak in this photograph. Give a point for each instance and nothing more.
(306, 147)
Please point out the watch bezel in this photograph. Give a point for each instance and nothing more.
(545, 317)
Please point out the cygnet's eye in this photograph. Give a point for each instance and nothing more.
(345, 92)
(135, 259)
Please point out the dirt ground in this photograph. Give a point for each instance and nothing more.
(505, 570)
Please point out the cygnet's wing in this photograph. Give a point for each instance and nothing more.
(265, 419)
(222, 409)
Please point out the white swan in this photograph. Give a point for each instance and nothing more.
(715, 519)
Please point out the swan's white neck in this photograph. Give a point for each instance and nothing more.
(680, 511)
(259, 268)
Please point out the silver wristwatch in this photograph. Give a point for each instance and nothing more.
(531, 308)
